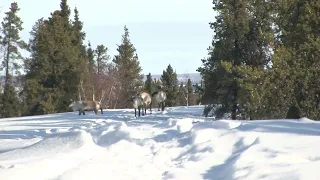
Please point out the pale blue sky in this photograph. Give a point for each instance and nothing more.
(163, 32)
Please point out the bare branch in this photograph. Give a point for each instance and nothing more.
(102, 95)
(81, 85)
(93, 93)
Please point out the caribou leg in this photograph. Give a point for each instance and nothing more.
(150, 109)
(163, 105)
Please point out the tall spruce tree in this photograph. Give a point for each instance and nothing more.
(230, 28)
(128, 69)
(243, 34)
(79, 36)
(170, 85)
(53, 74)
(91, 68)
(256, 59)
(11, 44)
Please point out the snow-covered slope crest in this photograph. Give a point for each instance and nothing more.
(176, 144)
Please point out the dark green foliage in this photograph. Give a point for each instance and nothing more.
(231, 27)
(148, 84)
(128, 70)
(54, 64)
(189, 91)
(102, 59)
(300, 34)
(11, 43)
(83, 59)
(181, 96)
(91, 56)
(242, 36)
(10, 102)
(293, 113)
(170, 85)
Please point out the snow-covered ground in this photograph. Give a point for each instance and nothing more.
(175, 144)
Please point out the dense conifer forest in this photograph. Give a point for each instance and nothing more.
(264, 61)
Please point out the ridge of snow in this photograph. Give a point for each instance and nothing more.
(176, 144)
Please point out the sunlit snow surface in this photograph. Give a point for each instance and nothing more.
(176, 144)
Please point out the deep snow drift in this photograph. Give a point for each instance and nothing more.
(175, 144)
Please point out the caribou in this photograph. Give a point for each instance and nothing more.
(137, 104)
(141, 101)
(83, 106)
(160, 97)
(87, 105)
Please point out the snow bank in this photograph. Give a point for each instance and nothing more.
(48, 157)
(228, 149)
(178, 144)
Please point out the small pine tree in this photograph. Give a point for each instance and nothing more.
(11, 42)
(10, 102)
(102, 58)
(170, 84)
(148, 85)
(128, 70)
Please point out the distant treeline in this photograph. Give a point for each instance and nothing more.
(61, 68)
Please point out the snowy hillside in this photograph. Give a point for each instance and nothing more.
(116, 145)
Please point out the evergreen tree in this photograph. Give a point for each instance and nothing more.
(156, 82)
(102, 59)
(181, 95)
(102, 64)
(189, 91)
(92, 69)
(148, 85)
(128, 70)
(257, 57)
(64, 13)
(170, 85)
(297, 53)
(79, 37)
(11, 43)
(91, 61)
(10, 102)
(53, 73)
(230, 28)
(35, 66)
(242, 36)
